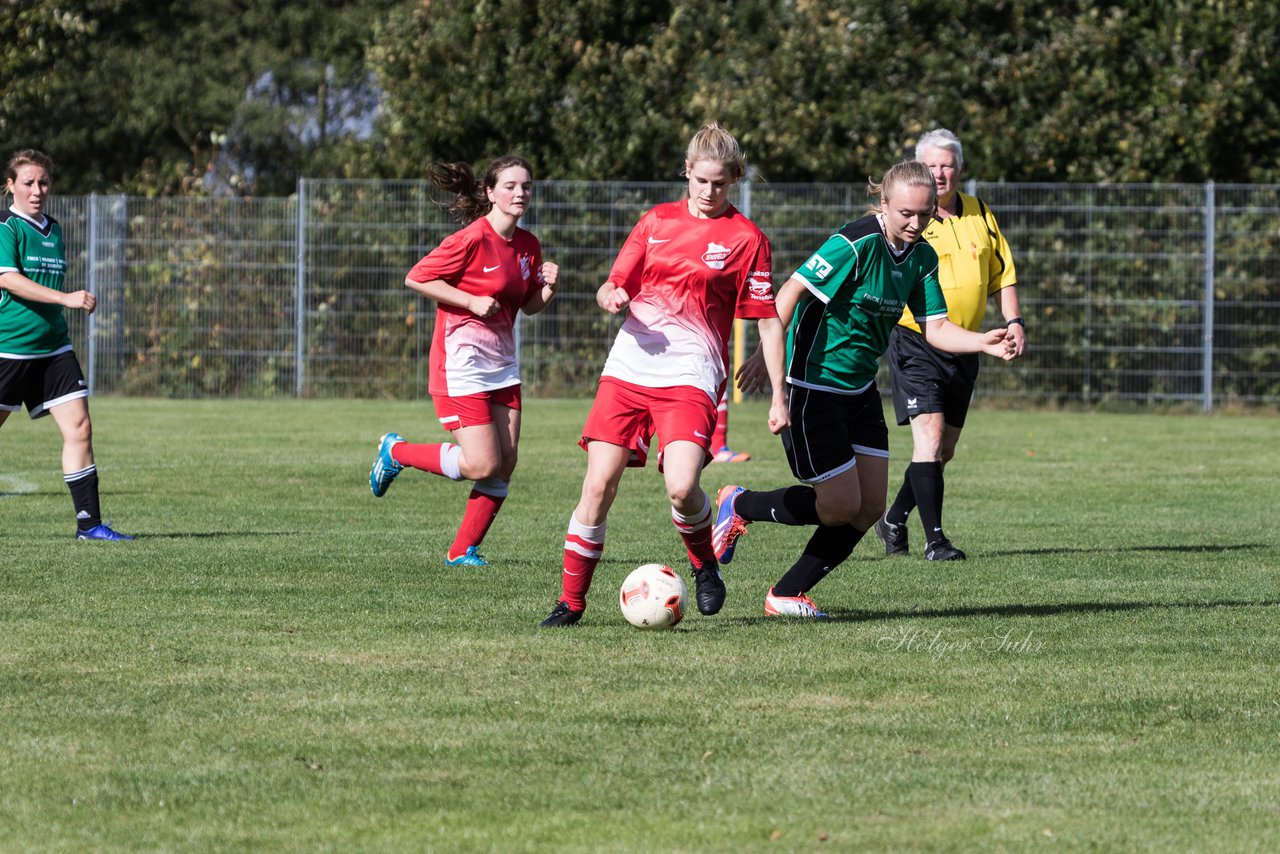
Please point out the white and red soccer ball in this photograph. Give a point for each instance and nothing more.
(653, 597)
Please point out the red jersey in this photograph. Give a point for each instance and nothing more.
(687, 278)
(470, 354)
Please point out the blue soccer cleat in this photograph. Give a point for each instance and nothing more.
(102, 532)
(384, 468)
(471, 557)
(729, 525)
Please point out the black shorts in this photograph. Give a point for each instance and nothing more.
(926, 379)
(41, 383)
(828, 429)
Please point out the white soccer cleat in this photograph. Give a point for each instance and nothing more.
(791, 606)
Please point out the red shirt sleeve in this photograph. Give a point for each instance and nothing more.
(448, 261)
(628, 267)
(755, 297)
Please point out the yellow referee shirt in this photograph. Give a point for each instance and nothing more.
(973, 262)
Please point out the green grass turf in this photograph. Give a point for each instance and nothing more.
(281, 662)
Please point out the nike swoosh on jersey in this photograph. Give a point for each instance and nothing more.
(655, 240)
(491, 269)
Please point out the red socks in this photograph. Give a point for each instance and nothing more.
(440, 458)
(482, 508)
(696, 532)
(583, 547)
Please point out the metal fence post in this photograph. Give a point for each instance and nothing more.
(1210, 235)
(738, 355)
(91, 325)
(300, 291)
(1086, 385)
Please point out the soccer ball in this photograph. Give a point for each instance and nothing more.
(653, 597)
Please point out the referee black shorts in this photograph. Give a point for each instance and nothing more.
(926, 379)
(41, 383)
(828, 430)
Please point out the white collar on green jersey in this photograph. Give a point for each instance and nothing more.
(44, 220)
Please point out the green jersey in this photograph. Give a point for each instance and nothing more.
(858, 288)
(31, 329)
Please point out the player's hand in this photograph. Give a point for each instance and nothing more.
(482, 306)
(779, 419)
(752, 375)
(549, 275)
(612, 298)
(82, 300)
(998, 343)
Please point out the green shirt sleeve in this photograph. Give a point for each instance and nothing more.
(830, 267)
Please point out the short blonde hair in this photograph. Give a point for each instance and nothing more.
(713, 142)
(909, 173)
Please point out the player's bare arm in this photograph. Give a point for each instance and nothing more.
(20, 286)
(773, 349)
(548, 276)
(947, 336)
(446, 294)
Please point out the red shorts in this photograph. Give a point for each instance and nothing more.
(628, 415)
(472, 410)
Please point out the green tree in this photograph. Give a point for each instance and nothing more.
(246, 96)
(567, 84)
(1040, 90)
(151, 97)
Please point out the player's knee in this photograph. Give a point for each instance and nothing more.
(871, 510)
(595, 495)
(79, 432)
(837, 513)
(685, 496)
(481, 469)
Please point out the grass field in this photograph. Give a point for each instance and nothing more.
(280, 662)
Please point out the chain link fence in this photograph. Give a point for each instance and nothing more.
(1151, 294)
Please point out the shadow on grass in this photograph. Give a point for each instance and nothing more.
(44, 492)
(1039, 610)
(1202, 549)
(1049, 610)
(212, 535)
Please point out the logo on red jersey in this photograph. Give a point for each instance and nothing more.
(716, 255)
(760, 289)
(526, 266)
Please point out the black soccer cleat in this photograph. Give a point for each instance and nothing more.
(942, 550)
(710, 590)
(893, 536)
(561, 615)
